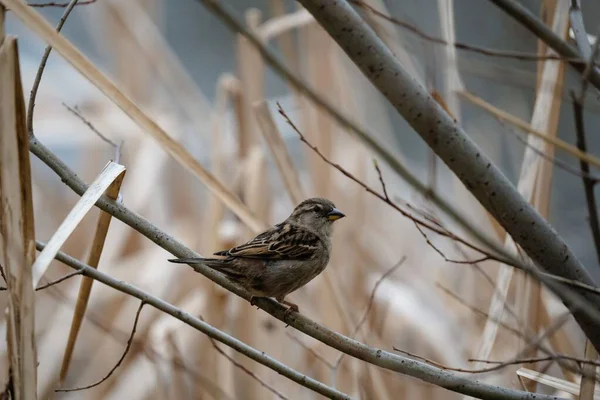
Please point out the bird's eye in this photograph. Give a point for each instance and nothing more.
(317, 209)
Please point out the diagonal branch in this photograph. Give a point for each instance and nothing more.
(199, 325)
(451, 143)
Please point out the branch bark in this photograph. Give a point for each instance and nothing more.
(451, 143)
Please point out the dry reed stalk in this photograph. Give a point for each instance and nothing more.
(254, 190)
(280, 25)
(322, 59)
(217, 298)
(553, 382)
(247, 324)
(319, 49)
(546, 115)
(282, 158)
(184, 89)
(85, 288)
(34, 21)
(526, 186)
(503, 115)
(588, 383)
(136, 82)
(17, 233)
(388, 32)
(250, 72)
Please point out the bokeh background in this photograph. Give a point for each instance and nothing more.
(198, 80)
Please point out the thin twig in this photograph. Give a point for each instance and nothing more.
(463, 46)
(40, 71)
(117, 147)
(60, 5)
(531, 341)
(244, 369)
(59, 280)
(484, 314)
(310, 350)
(382, 278)
(516, 360)
(556, 161)
(370, 302)
(118, 364)
(539, 359)
(437, 250)
(588, 185)
(376, 165)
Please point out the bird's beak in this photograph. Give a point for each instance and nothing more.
(335, 214)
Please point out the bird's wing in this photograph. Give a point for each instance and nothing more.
(283, 242)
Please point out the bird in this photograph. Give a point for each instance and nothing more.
(283, 258)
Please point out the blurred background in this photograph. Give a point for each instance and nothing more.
(199, 80)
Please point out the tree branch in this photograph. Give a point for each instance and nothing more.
(449, 141)
(541, 30)
(342, 343)
(38, 76)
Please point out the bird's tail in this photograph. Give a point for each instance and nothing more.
(222, 265)
(197, 260)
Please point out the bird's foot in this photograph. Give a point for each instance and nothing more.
(291, 308)
(253, 301)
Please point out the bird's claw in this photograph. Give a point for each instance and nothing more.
(253, 301)
(291, 308)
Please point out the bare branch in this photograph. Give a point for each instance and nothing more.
(60, 5)
(376, 164)
(118, 364)
(543, 32)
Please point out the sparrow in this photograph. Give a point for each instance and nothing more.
(282, 259)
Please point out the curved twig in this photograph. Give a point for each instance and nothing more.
(118, 364)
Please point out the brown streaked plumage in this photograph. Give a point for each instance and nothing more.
(284, 258)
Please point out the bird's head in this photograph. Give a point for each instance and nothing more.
(317, 214)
